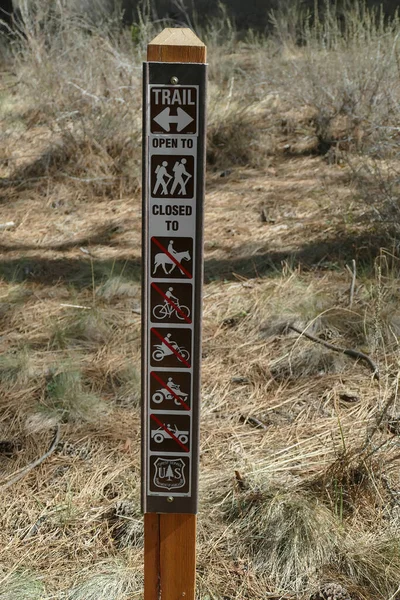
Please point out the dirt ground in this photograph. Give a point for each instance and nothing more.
(282, 416)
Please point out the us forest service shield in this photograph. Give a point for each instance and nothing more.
(169, 473)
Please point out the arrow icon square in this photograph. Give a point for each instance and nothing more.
(173, 109)
(165, 119)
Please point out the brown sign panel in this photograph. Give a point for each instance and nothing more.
(171, 347)
(172, 257)
(173, 196)
(173, 109)
(170, 433)
(171, 302)
(170, 391)
(172, 176)
(169, 474)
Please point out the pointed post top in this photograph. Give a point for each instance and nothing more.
(177, 45)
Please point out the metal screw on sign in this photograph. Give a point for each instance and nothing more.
(172, 278)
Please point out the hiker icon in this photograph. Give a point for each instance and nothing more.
(172, 176)
(163, 178)
(180, 172)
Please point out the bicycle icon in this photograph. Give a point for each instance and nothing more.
(171, 308)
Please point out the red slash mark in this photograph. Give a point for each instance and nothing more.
(174, 306)
(156, 420)
(178, 264)
(170, 346)
(161, 382)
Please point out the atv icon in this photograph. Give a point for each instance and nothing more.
(165, 394)
(160, 434)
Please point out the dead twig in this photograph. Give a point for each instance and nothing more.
(241, 484)
(253, 421)
(34, 463)
(76, 306)
(355, 354)
(353, 273)
(8, 225)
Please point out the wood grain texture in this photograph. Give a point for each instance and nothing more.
(151, 556)
(177, 45)
(177, 556)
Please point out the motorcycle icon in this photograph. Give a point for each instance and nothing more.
(160, 434)
(164, 349)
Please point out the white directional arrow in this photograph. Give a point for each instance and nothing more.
(182, 119)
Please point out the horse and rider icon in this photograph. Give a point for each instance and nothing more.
(172, 258)
(172, 176)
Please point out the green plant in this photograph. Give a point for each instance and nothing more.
(288, 534)
(113, 581)
(82, 327)
(128, 389)
(20, 585)
(67, 397)
(14, 367)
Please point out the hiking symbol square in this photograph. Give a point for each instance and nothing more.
(172, 176)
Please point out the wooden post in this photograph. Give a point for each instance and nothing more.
(170, 537)
(177, 45)
(169, 556)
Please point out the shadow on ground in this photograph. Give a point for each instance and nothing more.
(102, 236)
(322, 254)
(32, 175)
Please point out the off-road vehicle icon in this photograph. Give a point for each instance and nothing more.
(159, 435)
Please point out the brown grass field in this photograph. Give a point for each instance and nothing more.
(299, 485)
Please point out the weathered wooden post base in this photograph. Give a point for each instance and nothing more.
(170, 556)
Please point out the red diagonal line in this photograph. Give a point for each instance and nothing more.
(156, 420)
(175, 306)
(185, 406)
(178, 264)
(179, 356)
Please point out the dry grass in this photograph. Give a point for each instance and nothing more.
(299, 449)
(285, 533)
